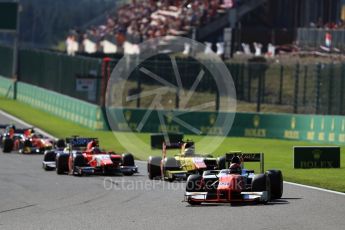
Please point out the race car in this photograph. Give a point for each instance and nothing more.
(84, 157)
(187, 162)
(235, 184)
(25, 141)
(2, 132)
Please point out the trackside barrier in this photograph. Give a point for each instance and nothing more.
(6, 87)
(71, 109)
(315, 128)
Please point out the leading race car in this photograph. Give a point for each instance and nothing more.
(235, 184)
(185, 163)
(26, 141)
(83, 157)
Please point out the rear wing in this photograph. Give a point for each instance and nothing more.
(179, 145)
(247, 157)
(80, 142)
(4, 126)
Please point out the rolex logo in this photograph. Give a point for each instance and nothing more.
(293, 122)
(128, 115)
(317, 154)
(212, 119)
(256, 121)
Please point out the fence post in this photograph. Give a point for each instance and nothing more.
(318, 85)
(263, 83)
(241, 83)
(177, 98)
(281, 85)
(330, 89)
(217, 100)
(250, 72)
(305, 85)
(342, 75)
(137, 72)
(258, 104)
(295, 106)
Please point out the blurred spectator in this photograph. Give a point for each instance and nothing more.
(146, 19)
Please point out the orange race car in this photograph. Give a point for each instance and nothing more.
(235, 184)
(89, 159)
(26, 141)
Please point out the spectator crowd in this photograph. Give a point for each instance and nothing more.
(145, 19)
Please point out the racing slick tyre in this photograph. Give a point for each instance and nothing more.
(60, 143)
(128, 160)
(276, 179)
(154, 167)
(27, 144)
(62, 164)
(193, 184)
(48, 156)
(8, 145)
(171, 164)
(261, 183)
(79, 161)
(221, 163)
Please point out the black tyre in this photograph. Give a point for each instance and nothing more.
(193, 184)
(8, 145)
(171, 164)
(276, 179)
(221, 163)
(60, 143)
(262, 183)
(62, 164)
(27, 144)
(49, 156)
(78, 161)
(128, 159)
(154, 167)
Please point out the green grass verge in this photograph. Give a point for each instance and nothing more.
(278, 153)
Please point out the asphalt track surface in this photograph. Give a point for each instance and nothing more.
(31, 198)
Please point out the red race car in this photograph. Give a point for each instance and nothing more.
(92, 160)
(26, 141)
(235, 184)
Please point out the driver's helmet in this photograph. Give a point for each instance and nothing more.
(236, 159)
(95, 150)
(92, 144)
(189, 152)
(235, 168)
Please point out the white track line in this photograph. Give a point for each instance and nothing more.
(315, 188)
(50, 136)
(9, 116)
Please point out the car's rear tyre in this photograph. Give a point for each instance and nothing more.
(128, 160)
(193, 184)
(78, 161)
(154, 167)
(62, 164)
(276, 179)
(8, 145)
(221, 163)
(261, 183)
(171, 164)
(61, 143)
(49, 156)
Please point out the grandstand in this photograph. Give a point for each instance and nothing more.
(141, 20)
